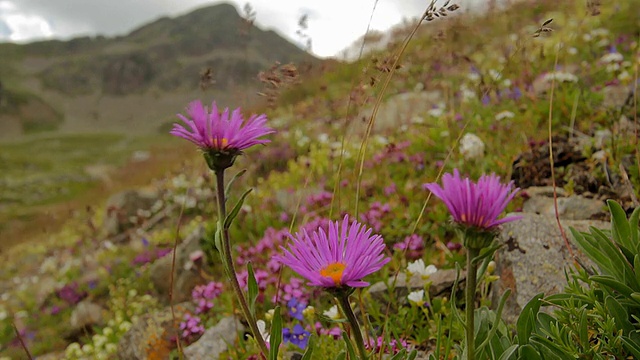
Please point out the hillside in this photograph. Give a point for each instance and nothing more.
(133, 83)
(541, 92)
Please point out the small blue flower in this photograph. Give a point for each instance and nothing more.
(295, 308)
(300, 336)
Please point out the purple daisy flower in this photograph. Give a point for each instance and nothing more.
(476, 205)
(220, 132)
(341, 257)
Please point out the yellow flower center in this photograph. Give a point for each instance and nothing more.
(334, 271)
(220, 143)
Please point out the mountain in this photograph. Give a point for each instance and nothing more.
(135, 83)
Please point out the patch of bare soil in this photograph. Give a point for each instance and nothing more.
(592, 177)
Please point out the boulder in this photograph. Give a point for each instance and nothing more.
(401, 108)
(534, 259)
(215, 340)
(151, 336)
(574, 207)
(124, 209)
(185, 276)
(85, 314)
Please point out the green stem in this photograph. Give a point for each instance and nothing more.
(227, 260)
(470, 292)
(355, 327)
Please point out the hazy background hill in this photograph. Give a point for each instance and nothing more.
(135, 83)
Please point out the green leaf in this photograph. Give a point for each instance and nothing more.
(633, 226)
(276, 334)
(217, 241)
(527, 320)
(528, 352)
(619, 314)
(253, 289)
(227, 190)
(310, 345)
(236, 209)
(341, 356)
(509, 352)
(612, 283)
(632, 346)
(550, 350)
(413, 354)
(400, 355)
(350, 349)
(620, 230)
(583, 329)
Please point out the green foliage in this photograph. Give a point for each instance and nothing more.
(595, 316)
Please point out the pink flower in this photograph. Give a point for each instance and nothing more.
(340, 257)
(476, 205)
(219, 131)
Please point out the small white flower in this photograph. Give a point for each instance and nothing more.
(416, 297)
(600, 32)
(613, 67)
(323, 138)
(471, 147)
(506, 114)
(624, 76)
(473, 76)
(332, 313)
(572, 51)
(436, 112)
(613, 57)
(418, 268)
(262, 327)
(560, 76)
(495, 74)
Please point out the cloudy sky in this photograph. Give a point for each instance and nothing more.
(333, 24)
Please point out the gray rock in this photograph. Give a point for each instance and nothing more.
(441, 284)
(574, 207)
(185, 275)
(86, 313)
(125, 206)
(401, 108)
(215, 340)
(153, 328)
(534, 259)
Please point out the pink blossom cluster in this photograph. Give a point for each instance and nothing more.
(320, 199)
(412, 245)
(374, 215)
(392, 347)
(335, 331)
(261, 253)
(203, 296)
(191, 327)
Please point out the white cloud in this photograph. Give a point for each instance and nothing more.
(333, 24)
(18, 26)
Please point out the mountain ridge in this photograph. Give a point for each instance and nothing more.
(101, 83)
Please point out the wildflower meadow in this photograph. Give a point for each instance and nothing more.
(390, 207)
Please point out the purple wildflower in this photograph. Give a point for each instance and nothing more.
(191, 326)
(393, 346)
(476, 205)
(340, 257)
(203, 296)
(299, 336)
(413, 245)
(295, 308)
(70, 294)
(219, 131)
